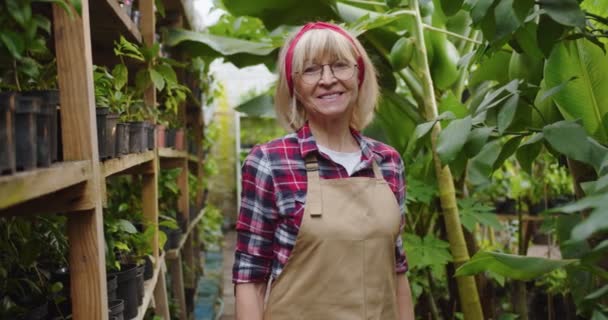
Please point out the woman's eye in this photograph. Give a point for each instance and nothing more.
(340, 65)
(312, 69)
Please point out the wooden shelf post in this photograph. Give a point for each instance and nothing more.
(79, 132)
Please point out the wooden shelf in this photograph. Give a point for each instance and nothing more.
(28, 185)
(124, 164)
(109, 21)
(174, 253)
(169, 153)
(149, 287)
(193, 158)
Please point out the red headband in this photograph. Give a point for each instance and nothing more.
(319, 25)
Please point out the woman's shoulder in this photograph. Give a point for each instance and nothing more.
(281, 147)
(386, 153)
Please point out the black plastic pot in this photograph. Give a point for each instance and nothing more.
(101, 114)
(170, 138)
(8, 101)
(140, 284)
(39, 313)
(148, 268)
(506, 206)
(116, 309)
(122, 139)
(112, 285)
(138, 138)
(127, 289)
(111, 123)
(52, 98)
(173, 239)
(26, 111)
(46, 126)
(151, 134)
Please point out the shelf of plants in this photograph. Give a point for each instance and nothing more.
(29, 185)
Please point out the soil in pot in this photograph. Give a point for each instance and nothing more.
(8, 101)
(138, 138)
(111, 123)
(127, 289)
(101, 114)
(112, 285)
(26, 111)
(116, 309)
(122, 139)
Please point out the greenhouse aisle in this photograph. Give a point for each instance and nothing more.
(229, 243)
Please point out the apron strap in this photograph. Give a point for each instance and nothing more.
(313, 194)
(377, 172)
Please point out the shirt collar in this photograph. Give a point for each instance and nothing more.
(308, 144)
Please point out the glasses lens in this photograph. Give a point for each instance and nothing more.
(342, 70)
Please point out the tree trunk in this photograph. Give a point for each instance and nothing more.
(467, 289)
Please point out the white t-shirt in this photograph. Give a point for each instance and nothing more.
(349, 160)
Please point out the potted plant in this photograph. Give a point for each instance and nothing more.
(109, 102)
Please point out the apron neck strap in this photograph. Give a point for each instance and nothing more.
(313, 194)
(377, 172)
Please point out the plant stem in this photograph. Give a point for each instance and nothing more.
(464, 73)
(467, 288)
(450, 33)
(16, 71)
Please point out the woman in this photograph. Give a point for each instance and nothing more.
(322, 208)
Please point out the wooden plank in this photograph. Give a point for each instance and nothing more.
(161, 302)
(110, 21)
(123, 164)
(174, 253)
(177, 283)
(70, 199)
(150, 288)
(168, 153)
(79, 132)
(25, 186)
(150, 204)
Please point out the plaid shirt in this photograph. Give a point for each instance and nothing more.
(273, 197)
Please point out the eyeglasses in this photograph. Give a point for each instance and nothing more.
(341, 70)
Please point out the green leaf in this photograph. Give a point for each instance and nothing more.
(507, 150)
(426, 252)
(42, 22)
(566, 12)
(598, 293)
(584, 97)
(126, 226)
(506, 19)
(507, 112)
(450, 7)
(480, 10)
(282, 12)
(477, 140)
(260, 106)
(120, 75)
(570, 139)
(481, 166)
(528, 151)
(168, 73)
(13, 42)
(452, 139)
(473, 212)
(157, 79)
(510, 266)
(596, 222)
(21, 11)
(548, 34)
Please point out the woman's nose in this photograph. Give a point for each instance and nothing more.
(327, 75)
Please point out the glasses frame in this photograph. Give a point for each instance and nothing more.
(331, 69)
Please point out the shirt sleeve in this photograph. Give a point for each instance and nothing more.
(401, 260)
(256, 221)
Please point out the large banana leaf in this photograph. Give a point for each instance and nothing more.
(280, 12)
(238, 51)
(585, 97)
(510, 266)
(260, 106)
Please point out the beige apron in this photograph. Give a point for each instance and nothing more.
(343, 263)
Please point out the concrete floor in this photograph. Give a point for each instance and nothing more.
(230, 241)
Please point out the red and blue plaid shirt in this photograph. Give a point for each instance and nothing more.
(274, 193)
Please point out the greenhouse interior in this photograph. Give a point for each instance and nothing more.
(136, 153)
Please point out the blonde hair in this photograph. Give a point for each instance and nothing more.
(314, 44)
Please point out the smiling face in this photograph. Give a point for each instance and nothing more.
(327, 88)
